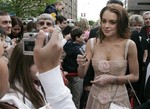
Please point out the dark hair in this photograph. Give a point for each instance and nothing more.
(60, 19)
(76, 32)
(19, 66)
(17, 21)
(67, 30)
(115, 2)
(31, 26)
(122, 21)
(3, 13)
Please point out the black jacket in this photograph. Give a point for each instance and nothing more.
(72, 50)
(143, 32)
(51, 9)
(145, 88)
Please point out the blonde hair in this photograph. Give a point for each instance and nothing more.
(84, 24)
(136, 19)
(60, 3)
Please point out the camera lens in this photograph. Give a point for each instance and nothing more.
(31, 35)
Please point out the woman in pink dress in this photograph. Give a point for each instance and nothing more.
(110, 53)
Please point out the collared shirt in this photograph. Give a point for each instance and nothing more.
(147, 73)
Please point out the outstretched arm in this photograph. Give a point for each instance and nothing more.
(47, 59)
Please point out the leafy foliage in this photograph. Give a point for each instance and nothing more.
(91, 22)
(25, 8)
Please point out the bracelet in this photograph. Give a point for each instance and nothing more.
(115, 81)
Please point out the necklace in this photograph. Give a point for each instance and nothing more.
(108, 55)
(111, 46)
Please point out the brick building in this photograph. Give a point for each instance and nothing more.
(70, 11)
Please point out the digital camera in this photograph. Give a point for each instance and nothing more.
(29, 42)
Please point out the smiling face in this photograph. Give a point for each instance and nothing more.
(114, 22)
(146, 18)
(136, 26)
(16, 30)
(5, 23)
(109, 24)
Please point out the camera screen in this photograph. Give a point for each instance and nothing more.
(29, 42)
(29, 45)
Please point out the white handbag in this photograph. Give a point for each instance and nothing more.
(116, 106)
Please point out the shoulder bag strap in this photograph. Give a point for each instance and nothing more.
(133, 91)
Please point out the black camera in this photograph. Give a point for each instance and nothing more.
(29, 42)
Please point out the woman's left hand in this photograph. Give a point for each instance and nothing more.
(103, 80)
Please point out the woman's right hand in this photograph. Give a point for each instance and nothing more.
(81, 60)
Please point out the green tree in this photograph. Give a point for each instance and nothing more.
(91, 22)
(25, 8)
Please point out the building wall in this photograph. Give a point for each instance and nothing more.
(137, 5)
(70, 11)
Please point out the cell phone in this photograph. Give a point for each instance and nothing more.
(83, 52)
(29, 42)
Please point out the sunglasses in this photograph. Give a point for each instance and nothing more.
(42, 23)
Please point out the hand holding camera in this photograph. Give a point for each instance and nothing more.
(47, 57)
(29, 42)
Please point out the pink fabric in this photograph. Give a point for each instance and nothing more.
(86, 33)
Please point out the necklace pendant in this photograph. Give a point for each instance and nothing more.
(108, 57)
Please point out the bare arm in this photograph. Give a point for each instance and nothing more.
(47, 60)
(133, 65)
(84, 60)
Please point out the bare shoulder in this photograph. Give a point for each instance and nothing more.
(90, 47)
(91, 40)
(132, 47)
(132, 43)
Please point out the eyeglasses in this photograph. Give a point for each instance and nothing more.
(42, 23)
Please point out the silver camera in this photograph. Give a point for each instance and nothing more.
(29, 42)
